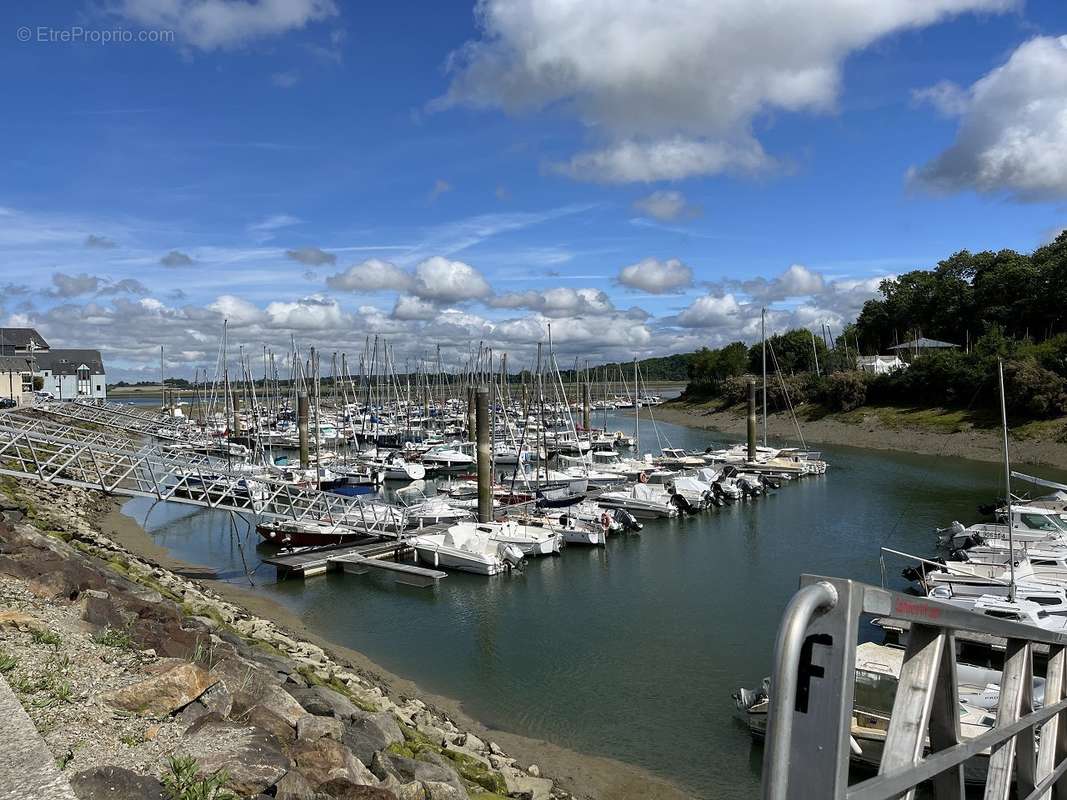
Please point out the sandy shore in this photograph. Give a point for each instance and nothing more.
(869, 431)
(583, 775)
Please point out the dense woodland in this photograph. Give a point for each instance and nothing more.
(993, 305)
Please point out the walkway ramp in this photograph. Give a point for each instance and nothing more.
(27, 771)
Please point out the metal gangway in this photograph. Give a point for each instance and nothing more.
(809, 740)
(44, 450)
(115, 415)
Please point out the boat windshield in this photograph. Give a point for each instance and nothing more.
(1042, 522)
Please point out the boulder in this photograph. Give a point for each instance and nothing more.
(323, 759)
(294, 786)
(217, 698)
(115, 783)
(528, 787)
(252, 685)
(266, 720)
(366, 733)
(311, 727)
(325, 702)
(252, 758)
(387, 765)
(159, 695)
(18, 621)
(341, 789)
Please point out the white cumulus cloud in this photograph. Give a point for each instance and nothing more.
(439, 279)
(672, 89)
(213, 24)
(372, 275)
(1013, 128)
(657, 277)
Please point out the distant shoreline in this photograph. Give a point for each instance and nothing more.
(933, 432)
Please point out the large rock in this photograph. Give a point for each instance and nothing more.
(387, 765)
(252, 758)
(527, 787)
(294, 786)
(341, 789)
(267, 720)
(115, 783)
(159, 695)
(367, 733)
(323, 759)
(311, 727)
(325, 702)
(252, 685)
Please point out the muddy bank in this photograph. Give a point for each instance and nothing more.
(583, 775)
(870, 430)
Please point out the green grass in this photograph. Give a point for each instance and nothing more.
(181, 782)
(50, 638)
(113, 637)
(7, 663)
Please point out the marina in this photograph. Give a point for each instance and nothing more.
(614, 610)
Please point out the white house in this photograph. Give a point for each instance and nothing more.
(67, 374)
(72, 374)
(879, 365)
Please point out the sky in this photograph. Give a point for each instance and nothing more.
(641, 177)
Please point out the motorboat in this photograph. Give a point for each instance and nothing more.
(531, 540)
(877, 673)
(307, 533)
(448, 457)
(465, 548)
(643, 500)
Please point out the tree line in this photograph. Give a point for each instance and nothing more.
(1004, 305)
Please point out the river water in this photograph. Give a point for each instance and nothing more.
(629, 651)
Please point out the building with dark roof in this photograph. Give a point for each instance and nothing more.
(16, 341)
(72, 374)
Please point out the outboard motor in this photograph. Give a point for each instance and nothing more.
(946, 536)
(512, 556)
(770, 483)
(719, 493)
(707, 499)
(627, 520)
(747, 698)
(683, 505)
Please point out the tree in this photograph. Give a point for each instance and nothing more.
(792, 350)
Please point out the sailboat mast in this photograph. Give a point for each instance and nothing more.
(763, 338)
(637, 414)
(1007, 483)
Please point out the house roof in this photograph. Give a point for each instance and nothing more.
(19, 338)
(66, 362)
(922, 343)
(14, 363)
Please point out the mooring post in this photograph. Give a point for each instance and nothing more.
(751, 420)
(302, 428)
(472, 422)
(586, 404)
(236, 416)
(485, 482)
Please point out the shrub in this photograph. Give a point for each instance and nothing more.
(844, 391)
(1033, 391)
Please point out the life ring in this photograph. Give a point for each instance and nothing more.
(643, 477)
(605, 520)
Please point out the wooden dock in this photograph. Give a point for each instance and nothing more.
(385, 555)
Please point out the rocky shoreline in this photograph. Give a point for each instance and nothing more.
(146, 684)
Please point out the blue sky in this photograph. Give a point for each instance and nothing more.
(644, 176)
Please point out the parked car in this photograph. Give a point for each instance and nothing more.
(7, 402)
(44, 395)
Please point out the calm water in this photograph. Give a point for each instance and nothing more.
(629, 651)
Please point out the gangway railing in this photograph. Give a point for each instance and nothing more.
(809, 725)
(117, 415)
(151, 472)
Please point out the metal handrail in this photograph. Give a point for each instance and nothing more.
(809, 727)
(805, 604)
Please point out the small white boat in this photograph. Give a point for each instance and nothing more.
(533, 541)
(643, 500)
(464, 548)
